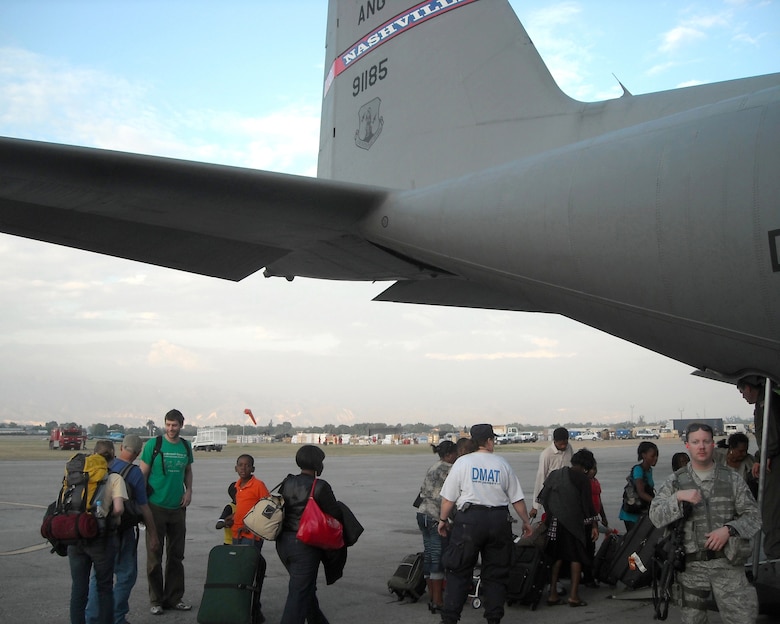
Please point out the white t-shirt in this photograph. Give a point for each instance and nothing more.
(482, 479)
(116, 486)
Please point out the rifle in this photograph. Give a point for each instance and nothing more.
(668, 560)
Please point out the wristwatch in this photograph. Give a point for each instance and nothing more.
(732, 531)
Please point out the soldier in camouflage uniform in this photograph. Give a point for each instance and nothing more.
(722, 507)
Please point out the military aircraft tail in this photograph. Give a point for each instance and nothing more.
(416, 93)
(419, 92)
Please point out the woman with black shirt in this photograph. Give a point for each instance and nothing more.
(301, 560)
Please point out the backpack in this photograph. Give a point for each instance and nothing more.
(631, 502)
(80, 512)
(158, 451)
(408, 579)
(132, 514)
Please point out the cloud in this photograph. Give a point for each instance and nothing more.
(558, 37)
(538, 354)
(45, 98)
(680, 36)
(164, 354)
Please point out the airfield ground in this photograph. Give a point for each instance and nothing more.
(378, 483)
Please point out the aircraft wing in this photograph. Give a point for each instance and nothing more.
(213, 220)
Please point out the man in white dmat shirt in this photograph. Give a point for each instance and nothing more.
(481, 486)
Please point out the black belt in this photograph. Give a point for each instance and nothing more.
(484, 507)
(704, 555)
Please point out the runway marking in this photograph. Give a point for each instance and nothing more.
(24, 505)
(24, 551)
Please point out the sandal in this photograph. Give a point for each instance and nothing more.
(554, 603)
(577, 603)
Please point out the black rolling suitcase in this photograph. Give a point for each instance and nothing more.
(602, 562)
(408, 579)
(632, 564)
(529, 574)
(234, 580)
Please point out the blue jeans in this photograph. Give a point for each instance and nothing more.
(126, 571)
(302, 563)
(82, 557)
(433, 545)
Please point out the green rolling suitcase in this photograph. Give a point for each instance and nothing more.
(234, 580)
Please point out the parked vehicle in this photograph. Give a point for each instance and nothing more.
(623, 434)
(587, 435)
(68, 437)
(528, 436)
(646, 434)
(210, 439)
(730, 428)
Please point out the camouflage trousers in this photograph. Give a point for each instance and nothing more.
(706, 581)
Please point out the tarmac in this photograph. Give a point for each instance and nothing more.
(35, 585)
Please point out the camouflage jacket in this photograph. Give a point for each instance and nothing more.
(726, 499)
(431, 489)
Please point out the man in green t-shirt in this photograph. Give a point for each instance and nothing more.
(166, 462)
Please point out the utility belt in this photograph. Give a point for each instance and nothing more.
(704, 555)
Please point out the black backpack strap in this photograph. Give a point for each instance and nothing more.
(157, 451)
(123, 473)
(188, 446)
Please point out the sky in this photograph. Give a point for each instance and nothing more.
(90, 338)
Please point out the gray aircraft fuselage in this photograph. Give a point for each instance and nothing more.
(452, 164)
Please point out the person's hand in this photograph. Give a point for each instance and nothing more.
(442, 528)
(756, 470)
(689, 496)
(229, 520)
(154, 541)
(187, 498)
(717, 539)
(527, 529)
(532, 513)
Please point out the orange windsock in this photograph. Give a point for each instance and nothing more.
(249, 413)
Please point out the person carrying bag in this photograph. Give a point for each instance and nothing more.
(303, 493)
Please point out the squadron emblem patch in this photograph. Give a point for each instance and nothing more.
(369, 124)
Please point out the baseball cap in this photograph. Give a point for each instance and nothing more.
(482, 432)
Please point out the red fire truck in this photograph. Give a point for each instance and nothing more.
(68, 437)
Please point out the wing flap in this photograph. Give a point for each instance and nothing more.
(453, 291)
(209, 219)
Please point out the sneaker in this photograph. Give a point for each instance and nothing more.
(181, 607)
(156, 610)
(220, 524)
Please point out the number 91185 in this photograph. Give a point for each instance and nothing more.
(369, 77)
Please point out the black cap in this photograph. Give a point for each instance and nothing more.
(482, 432)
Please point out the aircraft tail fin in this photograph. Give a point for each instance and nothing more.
(419, 92)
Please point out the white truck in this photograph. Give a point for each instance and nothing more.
(646, 434)
(212, 439)
(730, 428)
